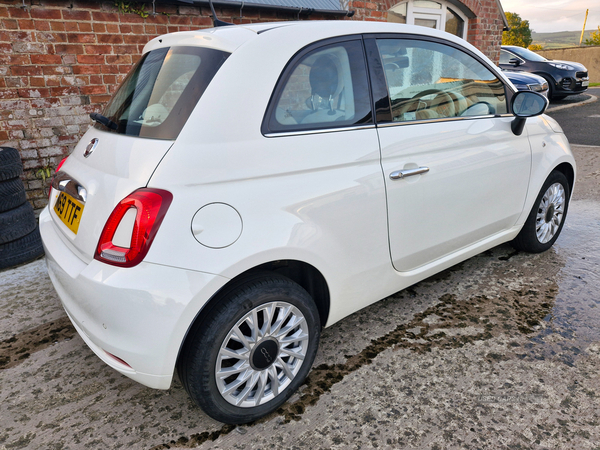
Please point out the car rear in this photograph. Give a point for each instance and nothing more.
(102, 215)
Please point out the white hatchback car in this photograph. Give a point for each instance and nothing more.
(248, 185)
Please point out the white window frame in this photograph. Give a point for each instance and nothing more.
(439, 15)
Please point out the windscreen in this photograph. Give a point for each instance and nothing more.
(527, 54)
(162, 89)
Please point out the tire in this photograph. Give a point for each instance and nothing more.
(22, 250)
(547, 217)
(12, 194)
(16, 223)
(211, 348)
(10, 163)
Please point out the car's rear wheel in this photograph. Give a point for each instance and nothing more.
(547, 217)
(252, 350)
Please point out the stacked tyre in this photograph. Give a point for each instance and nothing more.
(20, 239)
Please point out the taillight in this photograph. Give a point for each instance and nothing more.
(60, 164)
(151, 206)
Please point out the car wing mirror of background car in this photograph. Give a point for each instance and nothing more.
(526, 104)
(514, 61)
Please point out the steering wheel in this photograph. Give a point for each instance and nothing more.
(442, 103)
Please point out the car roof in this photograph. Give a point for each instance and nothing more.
(230, 38)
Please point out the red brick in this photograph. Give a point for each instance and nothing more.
(52, 80)
(46, 59)
(26, 24)
(76, 15)
(37, 82)
(85, 27)
(158, 19)
(63, 91)
(46, 14)
(112, 28)
(95, 79)
(109, 79)
(99, 28)
(52, 37)
(125, 29)
(109, 69)
(86, 70)
(90, 59)
(47, 26)
(71, 26)
(202, 21)
(98, 49)
(134, 39)
(18, 13)
(88, 90)
(105, 17)
(125, 49)
(110, 39)
(68, 49)
(131, 18)
(118, 59)
(81, 38)
(10, 24)
(25, 70)
(99, 99)
(180, 20)
(34, 93)
(56, 70)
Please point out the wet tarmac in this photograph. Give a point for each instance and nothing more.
(500, 351)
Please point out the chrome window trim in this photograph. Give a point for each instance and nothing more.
(318, 131)
(438, 120)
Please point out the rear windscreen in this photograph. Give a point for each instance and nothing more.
(162, 89)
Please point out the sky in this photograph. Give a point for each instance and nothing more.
(550, 16)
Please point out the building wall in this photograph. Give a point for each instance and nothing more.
(61, 60)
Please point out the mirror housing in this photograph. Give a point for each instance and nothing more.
(514, 61)
(526, 104)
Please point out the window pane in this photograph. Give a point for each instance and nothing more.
(429, 23)
(427, 4)
(428, 80)
(454, 24)
(398, 13)
(326, 89)
(158, 95)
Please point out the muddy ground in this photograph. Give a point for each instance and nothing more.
(501, 351)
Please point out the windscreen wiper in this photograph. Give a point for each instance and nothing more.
(97, 117)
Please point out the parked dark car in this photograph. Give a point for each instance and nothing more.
(563, 77)
(528, 82)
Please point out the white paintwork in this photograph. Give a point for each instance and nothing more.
(317, 198)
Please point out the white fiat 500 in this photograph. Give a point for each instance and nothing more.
(247, 186)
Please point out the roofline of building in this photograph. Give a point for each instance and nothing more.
(504, 20)
(261, 6)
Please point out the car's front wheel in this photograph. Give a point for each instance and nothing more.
(547, 217)
(252, 350)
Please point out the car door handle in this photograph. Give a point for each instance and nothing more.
(399, 174)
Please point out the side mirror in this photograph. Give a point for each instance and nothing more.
(526, 104)
(514, 61)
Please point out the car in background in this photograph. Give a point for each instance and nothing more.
(247, 186)
(564, 77)
(528, 82)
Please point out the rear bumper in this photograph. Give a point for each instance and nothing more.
(140, 314)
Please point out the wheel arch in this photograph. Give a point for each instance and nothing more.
(302, 273)
(567, 170)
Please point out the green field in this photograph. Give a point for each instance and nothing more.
(560, 39)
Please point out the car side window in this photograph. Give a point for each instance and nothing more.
(326, 88)
(428, 80)
(505, 57)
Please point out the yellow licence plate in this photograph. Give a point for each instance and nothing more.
(69, 211)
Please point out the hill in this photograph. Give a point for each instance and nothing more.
(560, 39)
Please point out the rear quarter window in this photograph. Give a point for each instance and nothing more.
(162, 89)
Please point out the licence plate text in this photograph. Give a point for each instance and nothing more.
(69, 211)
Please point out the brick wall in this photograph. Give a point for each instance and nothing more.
(61, 60)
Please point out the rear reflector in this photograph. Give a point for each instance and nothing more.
(150, 205)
